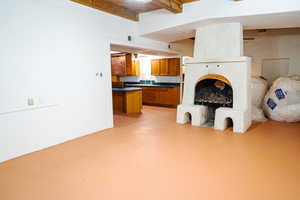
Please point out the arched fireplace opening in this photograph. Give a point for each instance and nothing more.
(214, 92)
(188, 117)
(228, 122)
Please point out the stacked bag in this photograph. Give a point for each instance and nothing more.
(259, 88)
(282, 101)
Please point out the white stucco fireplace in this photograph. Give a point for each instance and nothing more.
(217, 80)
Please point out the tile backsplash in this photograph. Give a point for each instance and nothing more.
(167, 79)
(130, 79)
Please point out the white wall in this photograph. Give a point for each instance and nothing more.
(184, 47)
(273, 47)
(51, 51)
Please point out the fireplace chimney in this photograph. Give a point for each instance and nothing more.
(219, 41)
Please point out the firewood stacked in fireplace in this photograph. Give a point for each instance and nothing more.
(210, 94)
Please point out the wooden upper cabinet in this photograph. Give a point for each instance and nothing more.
(165, 67)
(155, 63)
(174, 66)
(136, 68)
(133, 69)
(128, 58)
(122, 65)
(118, 65)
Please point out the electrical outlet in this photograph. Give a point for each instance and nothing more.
(30, 101)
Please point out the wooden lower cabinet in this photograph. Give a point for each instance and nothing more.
(133, 102)
(127, 102)
(118, 101)
(161, 96)
(150, 95)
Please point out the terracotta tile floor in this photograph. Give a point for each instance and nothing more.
(150, 157)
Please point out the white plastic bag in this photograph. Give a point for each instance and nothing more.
(282, 101)
(258, 90)
(258, 114)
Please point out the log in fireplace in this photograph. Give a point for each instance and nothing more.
(215, 93)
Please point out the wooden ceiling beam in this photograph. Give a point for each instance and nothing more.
(188, 1)
(110, 7)
(130, 9)
(174, 6)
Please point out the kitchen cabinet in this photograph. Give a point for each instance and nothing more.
(128, 58)
(165, 67)
(127, 101)
(118, 102)
(123, 65)
(169, 96)
(174, 66)
(161, 96)
(155, 67)
(118, 65)
(135, 68)
(150, 95)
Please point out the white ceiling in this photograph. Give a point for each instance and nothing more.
(281, 20)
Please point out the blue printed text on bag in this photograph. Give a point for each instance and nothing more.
(280, 94)
(271, 103)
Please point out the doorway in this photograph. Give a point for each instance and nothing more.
(135, 83)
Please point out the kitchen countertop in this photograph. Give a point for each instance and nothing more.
(126, 89)
(168, 85)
